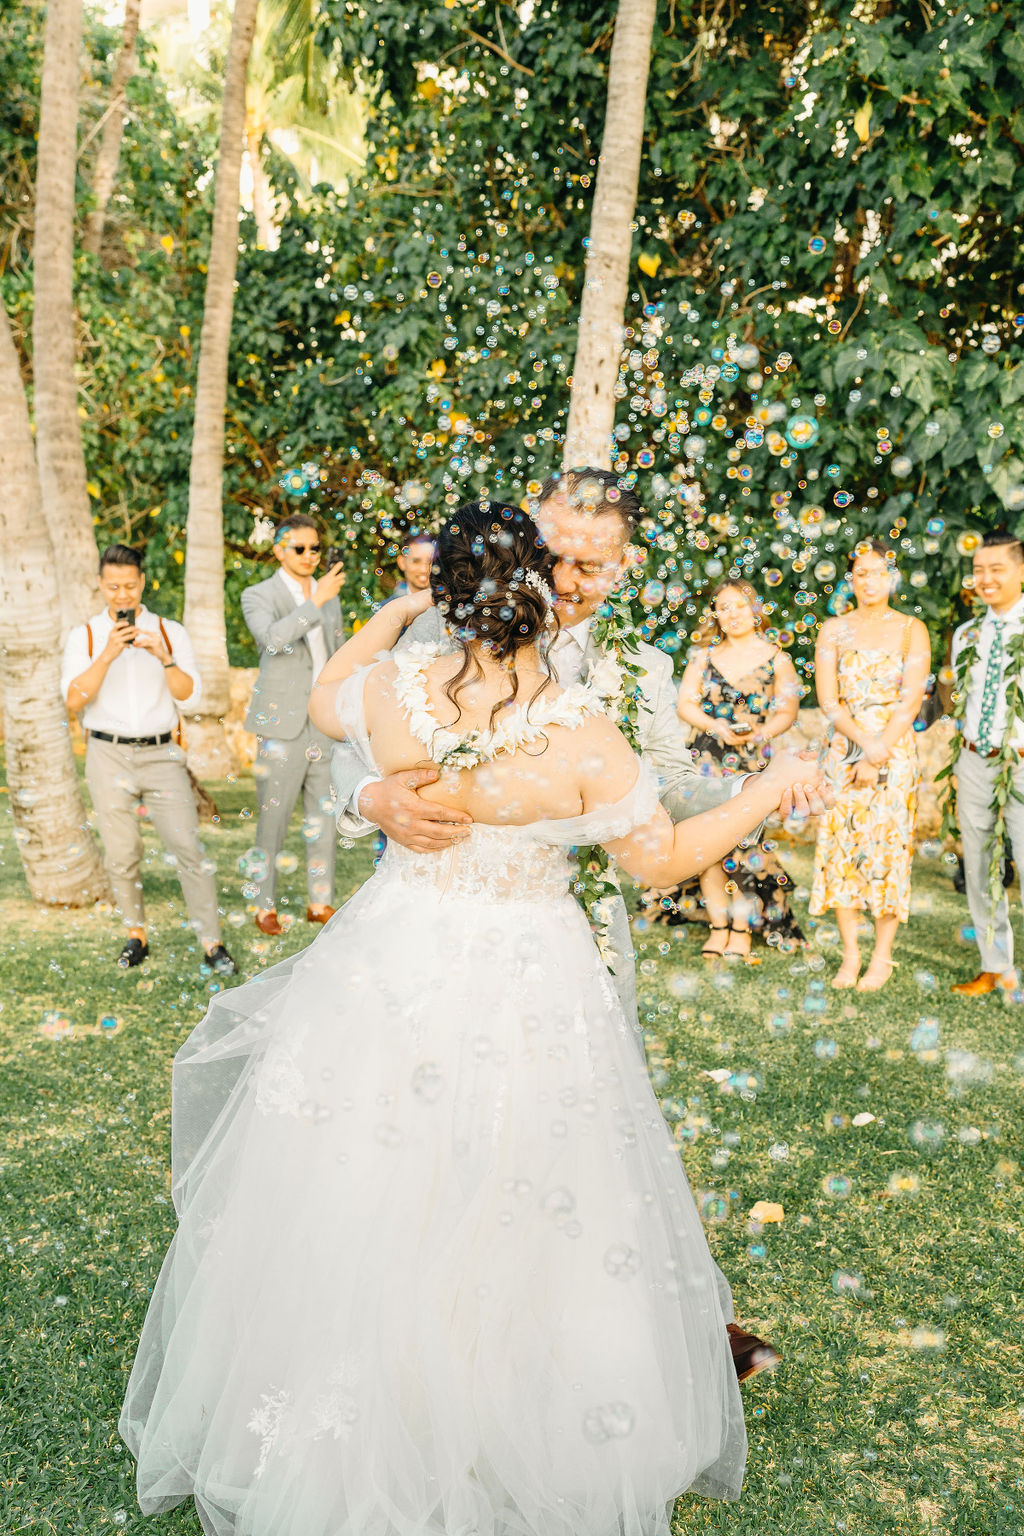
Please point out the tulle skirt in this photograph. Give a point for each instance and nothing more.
(438, 1271)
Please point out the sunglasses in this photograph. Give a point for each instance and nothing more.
(303, 549)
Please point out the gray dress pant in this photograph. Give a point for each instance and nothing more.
(282, 770)
(975, 788)
(127, 782)
(623, 977)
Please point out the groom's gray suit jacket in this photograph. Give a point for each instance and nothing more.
(685, 791)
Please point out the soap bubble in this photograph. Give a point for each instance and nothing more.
(847, 1282)
(927, 1133)
(713, 1207)
(558, 1203)
(902, 464)
(433, 279)
(837, 1185)
(903, 1184)
(1013, 498)
(995, 429)
(427, 1082)
(816, 244)
(621, 1261)
(990, 344)
(779, 1151)
(802, 431)
(608, 1421)
(824, 570)
(925, 1035)
(842, 498)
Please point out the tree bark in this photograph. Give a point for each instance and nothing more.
(204, 559)
(109, 153)
(262, 192)
(60, 858)
(588, 437)
(59, 454)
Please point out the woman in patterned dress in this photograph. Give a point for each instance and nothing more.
(871, 667)
(739, 691)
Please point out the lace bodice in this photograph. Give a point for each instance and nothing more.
(503, 863)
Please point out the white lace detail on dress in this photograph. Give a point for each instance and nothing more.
(520, 726)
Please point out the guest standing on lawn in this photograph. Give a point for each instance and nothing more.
(295, 620)
(739, 691)
(988, 660)
(129, 672)
(872, 667)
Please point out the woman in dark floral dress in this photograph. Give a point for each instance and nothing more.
(738, 691)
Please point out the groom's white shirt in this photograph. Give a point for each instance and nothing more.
(1011, 622)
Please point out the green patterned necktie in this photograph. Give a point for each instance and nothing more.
(991, 690)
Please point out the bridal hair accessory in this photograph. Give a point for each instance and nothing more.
(535, 580)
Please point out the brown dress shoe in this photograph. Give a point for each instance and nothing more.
(750, 1355)
(269, 923)
(320, 914)
(985, 981)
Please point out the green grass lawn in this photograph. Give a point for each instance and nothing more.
(892, 1285)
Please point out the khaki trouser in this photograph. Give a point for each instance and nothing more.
(124, 779)
(975, 799)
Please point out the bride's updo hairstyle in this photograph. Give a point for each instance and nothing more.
(492, 581)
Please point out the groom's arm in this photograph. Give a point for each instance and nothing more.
(685, 791)
(391, 804)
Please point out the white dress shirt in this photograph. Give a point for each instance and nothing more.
(315, 634)
(1012, 623)
(133, 699)
(568, 652)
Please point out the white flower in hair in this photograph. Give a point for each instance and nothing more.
(535, 580)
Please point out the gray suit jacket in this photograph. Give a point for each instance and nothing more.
(280, 697)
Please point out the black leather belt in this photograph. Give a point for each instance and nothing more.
(133, 741)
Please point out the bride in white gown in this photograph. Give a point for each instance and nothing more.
(438, 1271)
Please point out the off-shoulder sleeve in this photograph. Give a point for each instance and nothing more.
(609, 822)
(348, 704)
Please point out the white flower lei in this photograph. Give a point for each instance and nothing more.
(520, 726)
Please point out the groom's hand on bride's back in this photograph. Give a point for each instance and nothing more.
(394, 804)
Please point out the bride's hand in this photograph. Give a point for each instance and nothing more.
(802, 788)
(416, 603)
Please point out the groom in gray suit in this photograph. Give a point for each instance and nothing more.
(587, 518)
(295, 620)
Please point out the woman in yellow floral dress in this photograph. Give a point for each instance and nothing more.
(871, 668)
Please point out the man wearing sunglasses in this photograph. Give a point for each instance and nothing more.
(295, 620)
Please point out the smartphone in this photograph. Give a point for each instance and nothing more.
(334, 557)
(741, 728)
(126, 615)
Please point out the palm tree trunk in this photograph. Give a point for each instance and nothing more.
(109, 153)
(262, 193)
(60, 858)
(588, 436)
(59, 452)
(204, 560)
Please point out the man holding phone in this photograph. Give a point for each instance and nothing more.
(295, 621)
(129, 671)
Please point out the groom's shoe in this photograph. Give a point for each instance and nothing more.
(269, 923)
(986, 981)
(750, 1355)
(320, 914)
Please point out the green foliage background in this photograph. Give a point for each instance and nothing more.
(839, 188)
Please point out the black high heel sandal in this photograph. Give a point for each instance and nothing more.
(715, 954)
(743, 956)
